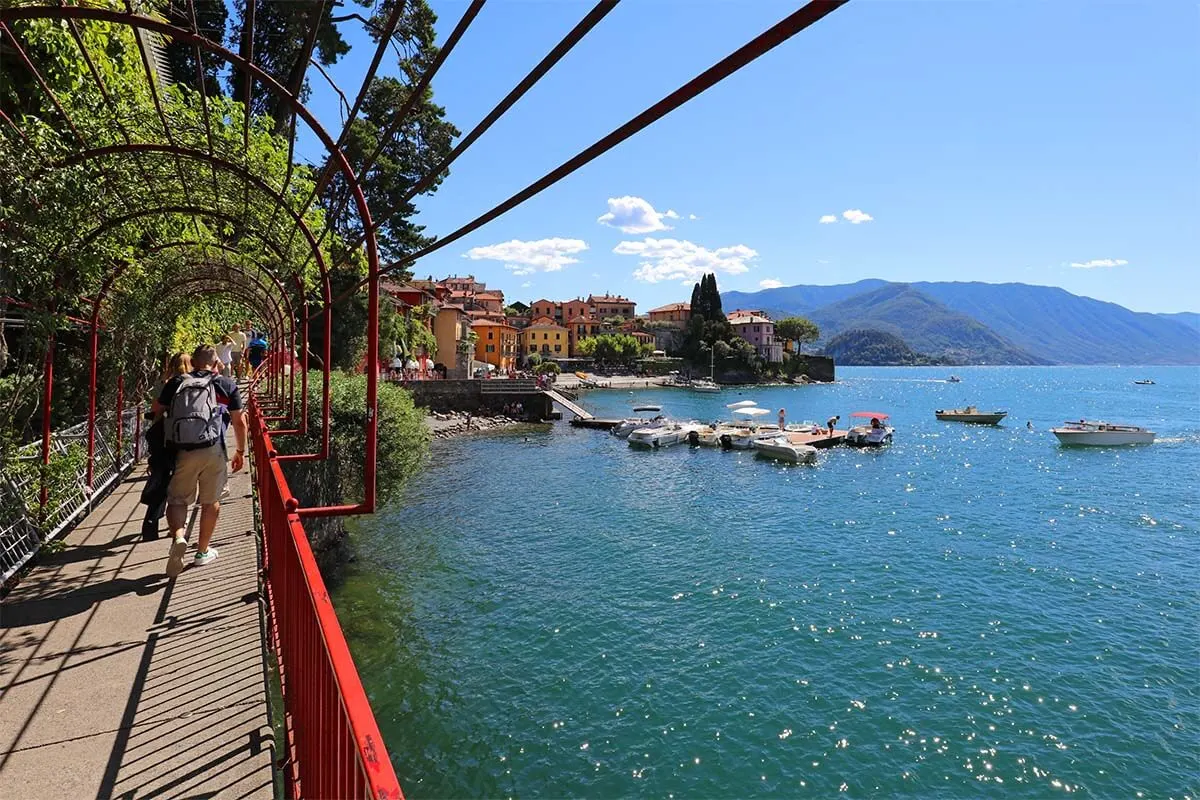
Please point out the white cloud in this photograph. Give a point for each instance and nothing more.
(856, 215)
(526, 258)
(671, 214)
(633, 215)
(770, 283)
(692, 216)
(1099, 262)
(674, 259)
(827, 219)
(526, 284)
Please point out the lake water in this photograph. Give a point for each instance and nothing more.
(973, 610)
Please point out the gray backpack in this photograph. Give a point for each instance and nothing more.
(194, 418)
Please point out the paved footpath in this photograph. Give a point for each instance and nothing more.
(117, 682)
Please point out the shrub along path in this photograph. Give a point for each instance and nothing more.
(115, 681)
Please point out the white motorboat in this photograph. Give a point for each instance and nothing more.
(781, 448)
(954, 379)
(628, 426)
(876, 433)
(664, 435)
(1101, 433)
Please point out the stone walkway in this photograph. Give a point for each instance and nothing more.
(117, 682)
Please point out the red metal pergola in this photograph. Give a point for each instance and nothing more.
(329, 718)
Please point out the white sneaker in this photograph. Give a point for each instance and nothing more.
(207, 557)
(175, 559)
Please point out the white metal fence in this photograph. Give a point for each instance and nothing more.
(21, 532)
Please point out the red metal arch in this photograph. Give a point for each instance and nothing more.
(364, 213)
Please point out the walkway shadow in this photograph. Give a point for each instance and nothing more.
(75, 601)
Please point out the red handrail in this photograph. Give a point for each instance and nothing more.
(334, 748)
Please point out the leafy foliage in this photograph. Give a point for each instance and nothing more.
(797, 329)
(873, 348)
(614, 348)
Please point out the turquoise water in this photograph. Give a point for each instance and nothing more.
(974, 610)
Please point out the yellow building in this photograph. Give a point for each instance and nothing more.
(496, 344)
(546, 338)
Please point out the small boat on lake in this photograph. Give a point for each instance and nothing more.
(876, 433)
(954, 379)
(1084, 432)
(1146, 382)
(970, 414)
(664, 435)
(628, 426)
(781, 447)
(704, 385)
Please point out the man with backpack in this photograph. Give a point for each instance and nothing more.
(193, 406)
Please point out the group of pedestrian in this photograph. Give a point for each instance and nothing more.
(188, 458)
(514, 410)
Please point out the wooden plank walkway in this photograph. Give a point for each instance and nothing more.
(577, 410)
(117, 682)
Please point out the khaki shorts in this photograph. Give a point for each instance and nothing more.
(236, 357)
(204, 468)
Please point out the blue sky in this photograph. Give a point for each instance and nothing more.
(1046, 143)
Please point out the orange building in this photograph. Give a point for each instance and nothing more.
(496, 344)
(677, 314)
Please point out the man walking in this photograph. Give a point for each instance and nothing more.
(193, 405)
(237, 352)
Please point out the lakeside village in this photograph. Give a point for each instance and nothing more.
(457, 328)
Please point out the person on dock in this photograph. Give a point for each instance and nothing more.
(831, 423)
(192, 405)
(782, 419)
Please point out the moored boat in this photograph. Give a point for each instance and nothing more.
(664, 435)
(781, 448)
(704, 385)
(1093, 434)
(628, 426)
(970, 414)
(873, 434)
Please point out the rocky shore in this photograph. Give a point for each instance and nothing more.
(460, 423)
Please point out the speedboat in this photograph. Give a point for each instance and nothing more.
(704, 385)
(781, 448)
(971, 414)
(628, 426)
(1101, 433)
(873, 434)
(664, 435)
(954, 379)
(1146, 382)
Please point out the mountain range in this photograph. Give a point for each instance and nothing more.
(988, 323)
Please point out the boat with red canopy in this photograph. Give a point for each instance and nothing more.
(872, 432)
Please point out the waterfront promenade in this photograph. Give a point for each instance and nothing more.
(117, 682)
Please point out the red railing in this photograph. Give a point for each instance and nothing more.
(334, 748)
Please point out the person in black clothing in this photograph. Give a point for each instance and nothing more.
(160, 463)
(201, 472)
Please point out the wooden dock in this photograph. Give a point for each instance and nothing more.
(593, 422)
(820, 440)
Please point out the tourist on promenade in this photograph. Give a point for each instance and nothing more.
(192, 404)
(832, 421)
(256, 350)
(237, 361)
(225, 356)
(160, 462)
